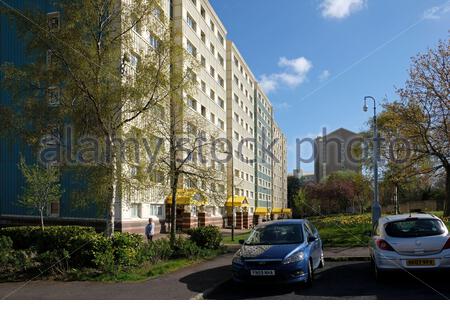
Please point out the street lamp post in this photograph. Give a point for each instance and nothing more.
(376, 208)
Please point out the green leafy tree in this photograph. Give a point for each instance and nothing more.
(42, 187)
(421, 119)
(97, 70)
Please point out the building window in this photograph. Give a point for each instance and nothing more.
(221, 103)
(191, 49)
(191, 22)
(192, 103)
(221, 39)
(211, 24)
(203, 86)
(213, 118)
(53, 95)
(203, 37)
(221, 60)
(212, 95)
(134, 211)
(154, 42)
(53, 21)
(212, 71)
(221, 81)
(221, 124)
(54, 209)
(203, 111)
(203, 62)
(213, 49)
(203, 12)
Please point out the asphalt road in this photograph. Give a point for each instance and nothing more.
(345, 280)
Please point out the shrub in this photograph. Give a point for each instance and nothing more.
(13, 261)
(52, 238)
(208, 237)
(186, 249)
(155, 251)
(127, 248)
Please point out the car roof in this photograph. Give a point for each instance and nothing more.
(282, 222)
(405, 216)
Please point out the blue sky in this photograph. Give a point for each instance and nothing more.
(317, 59)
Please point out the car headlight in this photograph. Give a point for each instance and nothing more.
(237, 258)
(296, 257)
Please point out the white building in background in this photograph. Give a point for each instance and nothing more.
(241, 129)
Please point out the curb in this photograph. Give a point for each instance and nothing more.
(346, 259)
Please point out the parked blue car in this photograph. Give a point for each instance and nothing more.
(285, 251)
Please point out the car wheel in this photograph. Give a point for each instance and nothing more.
(322, 262)
(310, 279)
(378, 274)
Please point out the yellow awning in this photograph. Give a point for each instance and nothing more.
(261, 211)
(238, 202)
(277, 210)
(187, 197)
(287, 211)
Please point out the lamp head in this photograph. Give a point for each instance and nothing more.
(365, 107)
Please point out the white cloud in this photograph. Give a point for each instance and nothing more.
(324, 75)
(268, 83)
(340, 9)
(294, 75)
(435, 13)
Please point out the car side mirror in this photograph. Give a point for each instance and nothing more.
(241, 241)
(311, 239)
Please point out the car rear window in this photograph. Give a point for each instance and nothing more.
(411, 228)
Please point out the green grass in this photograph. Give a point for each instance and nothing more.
(142, 273)
(346, 230)
(237, 237)
(343, 230)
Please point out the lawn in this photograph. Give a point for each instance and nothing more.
(347, 230)
(237, 237)
(145, 272)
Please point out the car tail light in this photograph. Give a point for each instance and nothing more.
(383, 245)
(447, 245)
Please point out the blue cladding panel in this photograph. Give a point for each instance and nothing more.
(11, 180)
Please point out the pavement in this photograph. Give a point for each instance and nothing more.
(183, 284)
(344, 281)
(349, 279)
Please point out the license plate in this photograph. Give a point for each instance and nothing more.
(262, 273)
(421, 263)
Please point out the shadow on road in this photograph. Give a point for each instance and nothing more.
(203, 280)
(346, 281)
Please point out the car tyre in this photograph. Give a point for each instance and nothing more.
(310, 279)
(379, 275)
(322, 262)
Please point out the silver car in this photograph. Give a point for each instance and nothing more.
(417, 241)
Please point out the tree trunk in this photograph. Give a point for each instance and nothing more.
(173, 217)
(447, 193)
(41, 213)
(111, 161)
(396, 200)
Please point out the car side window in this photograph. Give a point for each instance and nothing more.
(308, 231)
(313, 228)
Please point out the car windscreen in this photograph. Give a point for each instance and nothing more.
(276, 235)
(411, 228)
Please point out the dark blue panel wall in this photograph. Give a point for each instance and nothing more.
(11, 180)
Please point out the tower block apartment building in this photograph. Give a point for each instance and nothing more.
(227, 104)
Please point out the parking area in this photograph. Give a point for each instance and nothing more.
(345, 280)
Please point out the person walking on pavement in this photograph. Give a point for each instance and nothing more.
(150, 230)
